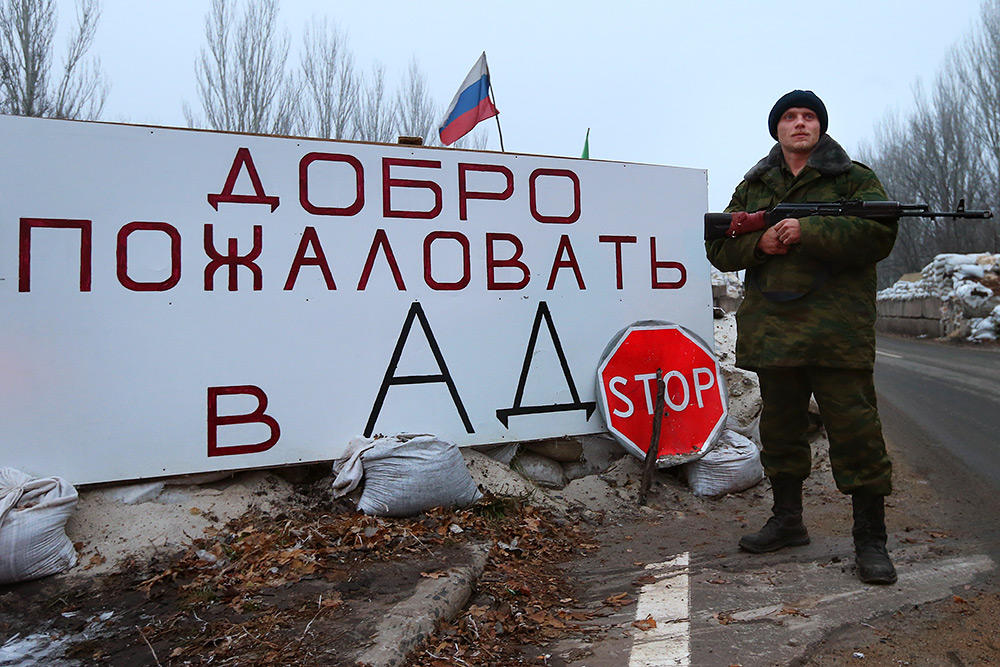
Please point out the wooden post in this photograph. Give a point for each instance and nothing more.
(649, 463)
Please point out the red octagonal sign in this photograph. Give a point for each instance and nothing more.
(695, 398)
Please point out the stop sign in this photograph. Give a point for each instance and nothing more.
(695, 399)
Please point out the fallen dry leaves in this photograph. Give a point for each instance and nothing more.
(522, 597)
(433, 575)
(224, 589)
(619, 600)
(645, 624)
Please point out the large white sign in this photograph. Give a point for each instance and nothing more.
(177, 301)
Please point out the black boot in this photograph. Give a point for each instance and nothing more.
(785, 527)
(871, 557)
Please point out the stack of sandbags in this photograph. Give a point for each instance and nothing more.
(556, 462)
(986, 329)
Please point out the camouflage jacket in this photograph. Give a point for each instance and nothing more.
(815, 305)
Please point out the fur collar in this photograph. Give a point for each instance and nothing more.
(828, 158)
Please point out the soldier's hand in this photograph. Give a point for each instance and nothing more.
(789, 231)
(769, 244)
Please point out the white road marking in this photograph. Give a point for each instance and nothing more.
(668, 603)
(889, 354)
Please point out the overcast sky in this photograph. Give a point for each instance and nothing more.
(676, 83)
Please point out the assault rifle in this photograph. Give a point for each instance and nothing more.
(721, 225)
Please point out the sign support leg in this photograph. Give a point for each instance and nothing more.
(649, 463)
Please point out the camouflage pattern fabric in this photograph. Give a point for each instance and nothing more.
(830, 318)
(847, 403)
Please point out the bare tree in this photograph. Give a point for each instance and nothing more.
(978, 65)
(477, 140)
(947, 148)
(889, 157)
(415, 110)
(375, 118)
(27, 84)
(330, 82)
(242, 81)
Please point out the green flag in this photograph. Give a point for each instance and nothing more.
(586, 146)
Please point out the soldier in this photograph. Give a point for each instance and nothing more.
(807, 327)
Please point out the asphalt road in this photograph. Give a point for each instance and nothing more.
(715, 605)
(940, 405)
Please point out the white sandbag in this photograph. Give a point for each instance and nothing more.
(33, 515)
(732, 465)
(406, 475)
(349, 470)
(539, 469)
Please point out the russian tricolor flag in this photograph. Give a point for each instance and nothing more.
(471, 104)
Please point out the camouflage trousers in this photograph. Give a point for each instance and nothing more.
(847, 405)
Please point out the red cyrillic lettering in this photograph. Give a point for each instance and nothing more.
(570, 262)
(256, 417)
(359, 180)
(388, 183)
(514, 262)
(466, 261)
(618, 241)
(241, 161)
(175, 256)
(655, 265)
(464, 194)
(533, 198)
(233, 259)
(24, 249)
(381, 241)
(310, 239)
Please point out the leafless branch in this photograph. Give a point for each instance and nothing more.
(28, 86)
(374, 119)
(242, 82)
(331, 85)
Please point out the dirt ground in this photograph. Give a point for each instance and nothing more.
(961, 630)
(307, 584)
(300, 578)
(303, 586)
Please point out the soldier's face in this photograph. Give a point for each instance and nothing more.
(798, 130)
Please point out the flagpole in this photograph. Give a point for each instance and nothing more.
(499, 131)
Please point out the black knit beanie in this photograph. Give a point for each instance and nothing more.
(806, 99)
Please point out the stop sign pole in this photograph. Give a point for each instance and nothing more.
(649, 464)
(695, 401)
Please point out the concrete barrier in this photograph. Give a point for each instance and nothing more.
(911, 317)
(910, 326)
(932, 307)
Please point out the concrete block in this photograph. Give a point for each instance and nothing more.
(563, 450)
(889, 308)
(910, 326)
(931, 308)
(599, 452)
(913, 308)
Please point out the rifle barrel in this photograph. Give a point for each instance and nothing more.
(980, 215)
